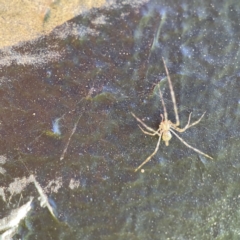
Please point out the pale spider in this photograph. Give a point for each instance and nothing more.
(166, 127)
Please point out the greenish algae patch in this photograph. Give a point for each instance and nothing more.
(104, 99)
(51, 134)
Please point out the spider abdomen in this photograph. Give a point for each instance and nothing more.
(166, 136)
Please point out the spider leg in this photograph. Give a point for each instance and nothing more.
(151, 134)
(195, 149)
(188, 124)
(147, 127)
(155, 151)
(163, 104)
(172, 94)
(186, 127)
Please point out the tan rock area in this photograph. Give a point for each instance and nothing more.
(22, 20)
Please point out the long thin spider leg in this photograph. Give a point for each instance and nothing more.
(151, 134)
(139, 120)
(186, 127)
(189, 125)
(163, 104)
(196, 122)
(155, 151)
(172, 94)
(195, 149)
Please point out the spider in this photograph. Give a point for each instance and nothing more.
(166, 127)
